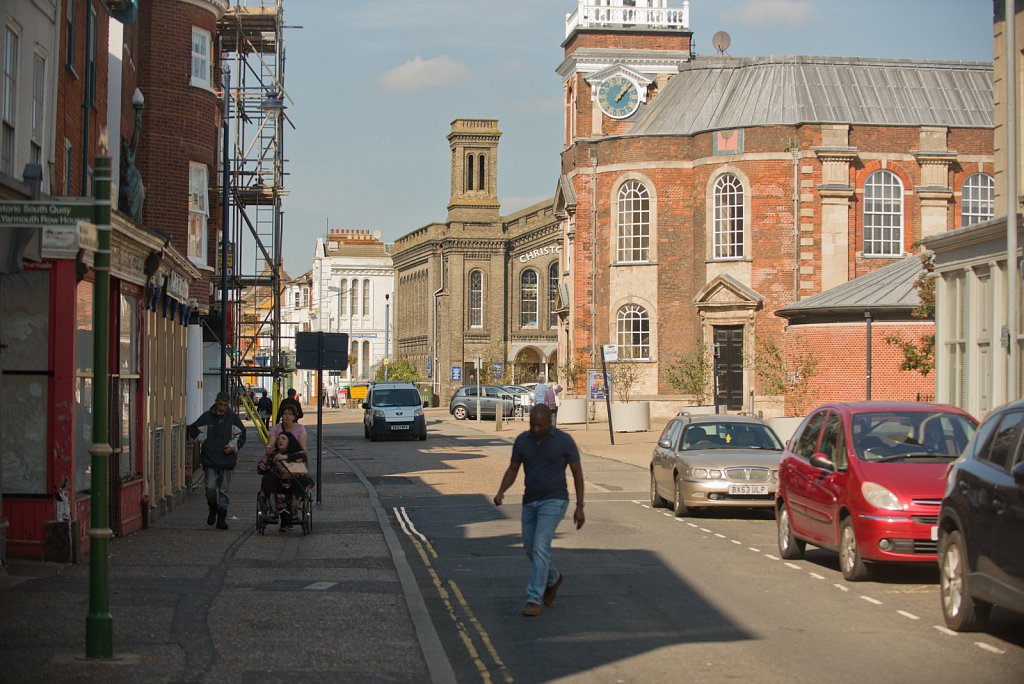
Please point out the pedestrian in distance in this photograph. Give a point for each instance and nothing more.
(265, 409)
(551, 393)
(540, 391)
(221, 436)
(543, 452)
(291, 400)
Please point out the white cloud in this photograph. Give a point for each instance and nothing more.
(419, 74)
(779, 12)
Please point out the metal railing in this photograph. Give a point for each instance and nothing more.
(600, 13)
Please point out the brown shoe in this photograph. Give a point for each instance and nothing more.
(551, 593)
(531, 609)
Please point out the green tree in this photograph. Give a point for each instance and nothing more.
(691, 374)
(399, 370)
(919, 355)
(778, 378)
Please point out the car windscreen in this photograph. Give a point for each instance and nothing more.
(889, 436)
(396, 397)
(729, 435)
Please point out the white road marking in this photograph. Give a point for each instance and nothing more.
(871, 600)
(989, 647)
(908, 615)
(319, 586)
(794, 566)
(735, 541)
(645, 505)
(680, 520)
(704, 529)
(412, 528)
(840, 587)
(768, 555)
(816, 575)
(722, 536)
(692, 525)
(945, 630)
(667, 514)
(754, 550)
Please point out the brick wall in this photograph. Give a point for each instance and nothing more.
(841, 375)
(179, 124)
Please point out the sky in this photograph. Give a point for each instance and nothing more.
(375, 85)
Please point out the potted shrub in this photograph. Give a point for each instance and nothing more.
(628, 415)
(690, 375)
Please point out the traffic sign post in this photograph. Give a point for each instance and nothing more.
(321, 350)
(609, 352)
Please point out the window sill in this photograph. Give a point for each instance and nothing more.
(627, 264)
(728, 260)
(862, 255)
(203, 86)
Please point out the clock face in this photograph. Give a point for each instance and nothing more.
(618, 97)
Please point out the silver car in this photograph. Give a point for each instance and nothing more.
(715, 461)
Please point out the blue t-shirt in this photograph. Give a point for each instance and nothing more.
(544, 463)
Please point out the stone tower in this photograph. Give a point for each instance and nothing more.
(474, 171)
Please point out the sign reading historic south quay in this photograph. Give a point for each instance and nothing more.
(31, 214)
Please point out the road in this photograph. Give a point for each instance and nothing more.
(648, 596)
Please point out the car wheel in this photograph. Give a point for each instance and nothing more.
(850, 562)
(962, 612)
(656, 500)
(366, 431)
(790, 547)
(459, 412)
(677, 505)
(423, 436)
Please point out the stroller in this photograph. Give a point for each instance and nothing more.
(286, 494)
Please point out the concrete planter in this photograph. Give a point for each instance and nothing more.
(634, 416)
(572, 411)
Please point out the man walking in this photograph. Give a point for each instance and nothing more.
(544, 452)
(221, 435)
(265, 409)
(291, 400)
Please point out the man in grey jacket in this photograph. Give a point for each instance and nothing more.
(221, 435)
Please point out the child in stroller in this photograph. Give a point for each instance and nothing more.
(285, 480)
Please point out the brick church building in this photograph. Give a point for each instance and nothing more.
(700, 195)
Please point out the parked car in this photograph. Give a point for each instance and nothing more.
(493, 398)
(523, 397)
(393, 408)
(981, 524)
(866, 480)
(715, 461)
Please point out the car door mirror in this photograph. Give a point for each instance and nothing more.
(820, 460)
(665, 443)
(366, 405)
(1018, 474)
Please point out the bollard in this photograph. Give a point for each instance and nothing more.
(499, 420)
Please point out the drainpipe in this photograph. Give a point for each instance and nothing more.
(437, 366)
(867, 319)
(795, 149)
(86, 104)
(1012, 272)
(593, 255)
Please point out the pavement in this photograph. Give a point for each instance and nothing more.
(194, 604)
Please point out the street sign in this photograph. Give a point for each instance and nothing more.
(333, 352)
(497, 371)
(430, 366)
(31, 214)
(611, 352)
(456, 372)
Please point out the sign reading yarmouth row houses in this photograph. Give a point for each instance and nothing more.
(30, 214)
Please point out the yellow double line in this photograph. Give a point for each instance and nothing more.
(449, 590)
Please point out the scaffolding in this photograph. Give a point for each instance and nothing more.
(251, 35)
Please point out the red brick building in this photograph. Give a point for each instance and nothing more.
(709, 192)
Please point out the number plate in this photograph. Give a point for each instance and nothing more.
(748, 489)
(399, 427)
(935, 533)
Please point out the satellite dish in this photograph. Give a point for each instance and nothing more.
(721, 42)
(377, 234)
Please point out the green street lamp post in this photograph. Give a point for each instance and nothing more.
(99, 623)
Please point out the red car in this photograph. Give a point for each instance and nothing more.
(866, 480)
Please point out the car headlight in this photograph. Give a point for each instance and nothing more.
(378, 413)
(775, 476)
(418, 412)
(880, 497)
(698, 473)
(715, 474)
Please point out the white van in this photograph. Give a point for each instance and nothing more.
(393, 409)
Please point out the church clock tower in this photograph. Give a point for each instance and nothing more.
(618, 54)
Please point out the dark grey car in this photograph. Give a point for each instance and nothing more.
(492, 399)
(981, 523)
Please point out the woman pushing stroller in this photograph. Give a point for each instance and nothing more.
(285, 477)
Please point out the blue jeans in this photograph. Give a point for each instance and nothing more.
(540, 519)
(217, 482)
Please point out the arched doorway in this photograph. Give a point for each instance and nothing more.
(528, 365)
